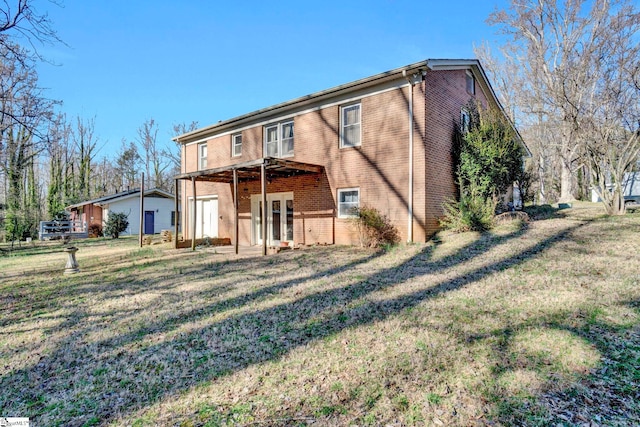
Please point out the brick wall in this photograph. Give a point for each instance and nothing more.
(378, 167)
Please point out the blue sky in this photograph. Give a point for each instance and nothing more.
(205, 61)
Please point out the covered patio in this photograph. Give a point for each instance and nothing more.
(262, 170)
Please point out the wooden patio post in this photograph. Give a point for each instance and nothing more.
(263, 185)
(141, 231)
(194, 215)
(235, 207)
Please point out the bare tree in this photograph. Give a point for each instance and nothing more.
(24, 112)
(613, 133)
(556, 44)
(85, 143)
(505, 76)
(20, 22)
(172, 151)
(126, 164)
(21, 100)
(152, 156)
(57, 151)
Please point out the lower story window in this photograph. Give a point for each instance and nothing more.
(348, 202)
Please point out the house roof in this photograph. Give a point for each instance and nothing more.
(121, 196)
(249, 171)
(136, 193)
(415, 69)
(104, 198)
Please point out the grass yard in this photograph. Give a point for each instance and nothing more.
(534, 324)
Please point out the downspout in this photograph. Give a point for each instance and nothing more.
(181, 226)
(194, 214)
(176, 206)
(411, 81)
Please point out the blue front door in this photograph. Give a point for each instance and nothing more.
(148, 222)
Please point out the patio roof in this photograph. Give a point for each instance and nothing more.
(250, 171)
(255, 170)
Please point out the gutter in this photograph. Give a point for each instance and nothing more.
(284, 107)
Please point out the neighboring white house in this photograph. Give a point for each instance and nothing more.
(159, 210)
(631, 187)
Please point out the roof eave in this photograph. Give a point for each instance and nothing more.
(300, 102)
(278, 109)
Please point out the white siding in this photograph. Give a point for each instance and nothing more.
(161, 207)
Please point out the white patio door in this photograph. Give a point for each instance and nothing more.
(206, 217)
(279, 218)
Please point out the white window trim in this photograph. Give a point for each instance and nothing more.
(279, 140)
(201, 157)
(344, 190)
(342, 124)
(234, 145)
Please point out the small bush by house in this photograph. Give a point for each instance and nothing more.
(116, 224)
(374, 229)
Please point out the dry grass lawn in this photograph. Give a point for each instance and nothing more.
(535, 324)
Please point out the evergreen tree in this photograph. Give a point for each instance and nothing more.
(489, 160)
(116, 224)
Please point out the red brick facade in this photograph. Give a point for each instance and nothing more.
(379, 167)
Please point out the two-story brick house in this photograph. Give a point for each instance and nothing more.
(383, 141)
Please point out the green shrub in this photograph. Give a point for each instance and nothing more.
(374, 229)
(116, 224)
(17, 226)
(469, 214)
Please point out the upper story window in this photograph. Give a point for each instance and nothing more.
(471, 83)
(202, 156)
(236, 145)
(348, 202)
(465, 121)
(350, 126)
(278, 139)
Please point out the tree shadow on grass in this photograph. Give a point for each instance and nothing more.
(89, 376)
(608, 392)
(601, 382)
(128, 274)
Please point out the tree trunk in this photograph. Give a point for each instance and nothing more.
(615, 206)
(566, 184)
(542, 197)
